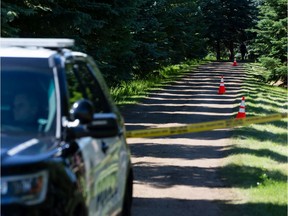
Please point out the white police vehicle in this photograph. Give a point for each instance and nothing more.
(63, 146)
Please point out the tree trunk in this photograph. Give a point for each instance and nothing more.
(218, 54)
(231, 49)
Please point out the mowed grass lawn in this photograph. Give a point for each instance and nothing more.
(257, 162)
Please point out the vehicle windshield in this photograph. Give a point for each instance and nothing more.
(28, 101)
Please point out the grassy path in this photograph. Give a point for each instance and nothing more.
(222, 172)
(179, 175)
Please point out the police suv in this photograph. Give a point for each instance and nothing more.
(63, 146)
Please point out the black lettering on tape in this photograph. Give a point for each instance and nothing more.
(198, 127)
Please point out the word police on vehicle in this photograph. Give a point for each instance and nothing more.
(63, 144)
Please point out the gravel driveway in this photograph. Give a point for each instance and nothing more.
(178, 175)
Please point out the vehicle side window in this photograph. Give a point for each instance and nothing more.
(83, 84)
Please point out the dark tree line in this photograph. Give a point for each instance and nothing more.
(133, 38)
(227, 22)
(270, 43)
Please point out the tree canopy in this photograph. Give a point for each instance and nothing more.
(226, 22)
(132, 38)
(270, 43)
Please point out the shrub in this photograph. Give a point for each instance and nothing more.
(277, 70)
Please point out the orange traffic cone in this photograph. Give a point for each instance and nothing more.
(221, 87)
(241, 113)
(235, 62)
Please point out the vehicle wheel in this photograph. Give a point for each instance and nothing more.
(126, 209)
(80, 211)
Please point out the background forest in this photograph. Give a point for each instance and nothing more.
(131, 39)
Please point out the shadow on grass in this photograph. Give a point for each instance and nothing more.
(270, 102)
(247, 177)
(198, 207)
(254, 86)
(253, 209)
(280, 124)
(260, 153)
(259, 109)
(256, 92)
(252, 133)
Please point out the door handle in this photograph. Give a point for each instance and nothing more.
(104, 147)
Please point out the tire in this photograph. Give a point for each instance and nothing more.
(80, 210)
(128, 197)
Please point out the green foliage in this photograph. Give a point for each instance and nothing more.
(165, 32)
(271, 41)
(277, 70)
(128, 92)
(100, 28)
(132, 39)
(9, 13)
(226, 23)
(149, 38)
(270, 63)
(129, 39)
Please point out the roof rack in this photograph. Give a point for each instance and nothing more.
(37, 42)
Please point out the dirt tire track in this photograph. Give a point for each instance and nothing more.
(178, 175)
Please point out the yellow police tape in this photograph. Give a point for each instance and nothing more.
(205, 126)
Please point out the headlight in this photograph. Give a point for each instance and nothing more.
(25, 189)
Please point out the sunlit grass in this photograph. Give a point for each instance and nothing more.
(269, 188)
(130, 92)
(257, 166)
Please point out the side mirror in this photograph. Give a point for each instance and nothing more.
(83, 111)
(103, 125)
